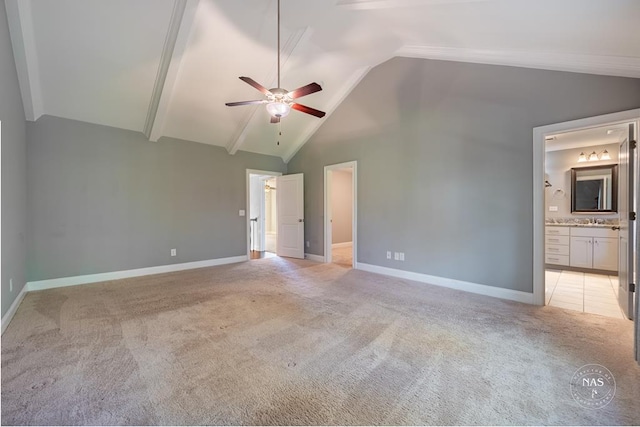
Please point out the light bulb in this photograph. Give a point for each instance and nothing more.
(278, 109)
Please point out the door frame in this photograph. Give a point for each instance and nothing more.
(539, 135)
(354, 210)
(248, 202)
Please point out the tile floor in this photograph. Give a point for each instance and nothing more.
(586, 292)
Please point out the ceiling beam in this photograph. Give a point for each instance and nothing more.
(622, 66)
(25, 53)
(175, 44)
(297, 39)
(337, 99)
(390, 4)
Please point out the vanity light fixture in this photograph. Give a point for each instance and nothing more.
(593, 157)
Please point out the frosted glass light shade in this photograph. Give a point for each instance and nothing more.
(582, 158)
(278, 109)
(593, 157)
(605, 155)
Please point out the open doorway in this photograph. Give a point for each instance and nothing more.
(628, 196)
(262, 235)
(582, 219)
(340, 214)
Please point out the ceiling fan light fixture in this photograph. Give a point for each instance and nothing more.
(278, 109)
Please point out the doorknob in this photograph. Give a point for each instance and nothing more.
(615, 228)
(301, 220)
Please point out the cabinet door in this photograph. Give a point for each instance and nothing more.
(581, 252)
(605, 253)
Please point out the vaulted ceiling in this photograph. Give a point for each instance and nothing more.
(167, 67)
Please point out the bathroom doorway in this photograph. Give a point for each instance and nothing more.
(262, 235)
(578, 246)
(582, 219)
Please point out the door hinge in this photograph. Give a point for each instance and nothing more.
(632, 287)
(632, 144)
(632, 216)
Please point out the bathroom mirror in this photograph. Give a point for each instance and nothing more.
(594, 189)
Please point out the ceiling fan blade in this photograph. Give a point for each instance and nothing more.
(255, 84)
(275, 119)
(305, 90)
(308, 110)
(234, 104)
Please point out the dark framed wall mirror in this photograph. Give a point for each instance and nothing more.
(594, 189)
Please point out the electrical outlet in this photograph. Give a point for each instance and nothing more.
(388, 254)
(553, 209)
(396, 256)
(241, 212)
(10, 285)
(401, 256)
(173, 252)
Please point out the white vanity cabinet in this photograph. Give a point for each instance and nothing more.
(556, 243)
(595, 248)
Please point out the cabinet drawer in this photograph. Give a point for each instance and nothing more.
(593, 232)
(556, 231)
(557, 240)
(557, 259)
(557, 250)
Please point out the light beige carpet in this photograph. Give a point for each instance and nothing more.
(276, 341)
(342, 256)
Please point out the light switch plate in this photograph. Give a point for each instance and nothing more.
(553, 209)
(241, 212)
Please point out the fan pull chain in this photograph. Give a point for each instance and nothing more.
(279, 131)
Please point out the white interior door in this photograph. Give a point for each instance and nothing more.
(626, 242)
(290, 200)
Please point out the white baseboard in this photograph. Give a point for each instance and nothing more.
(341, 245)
(115, 275)
(315, 258)
(460, 285)
(6, 319)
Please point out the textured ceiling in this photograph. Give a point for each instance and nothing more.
(167, 67)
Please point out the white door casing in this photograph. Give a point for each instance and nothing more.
(290, 213)
(625, 249)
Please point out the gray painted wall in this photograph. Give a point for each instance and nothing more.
(444, 153)
(103, 199)
(341, 199)
(14, 170)
(558, 166)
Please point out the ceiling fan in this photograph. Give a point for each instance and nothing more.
(279, 101)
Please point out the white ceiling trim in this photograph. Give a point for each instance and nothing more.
(572, 62)
(387, 4)
(296, 40)
(23, 42)
(180, 25)
(340, 96)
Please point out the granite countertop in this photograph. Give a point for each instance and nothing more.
(580, 225)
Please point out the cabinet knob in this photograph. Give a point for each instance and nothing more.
(615, 228)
